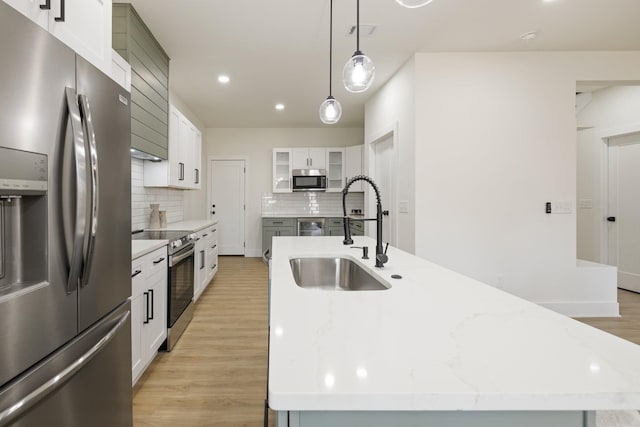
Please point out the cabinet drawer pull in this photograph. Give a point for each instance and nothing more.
(62, 10)
(158, 261)
(146, 309)
(214, 246)
(135, 273)
(205, 235)
(201, 260)
(46, 5)
(278, 222)
(152, 304)
(214, 266)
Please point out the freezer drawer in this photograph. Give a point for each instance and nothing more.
(97, 390)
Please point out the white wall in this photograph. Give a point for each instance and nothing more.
(611, 108)
(256, 144)
(392, 108)
(495, 138)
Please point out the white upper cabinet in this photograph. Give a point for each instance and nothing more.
(354, 166)
(183, 168)
(282, 166)
(309, 158)
(83, 25)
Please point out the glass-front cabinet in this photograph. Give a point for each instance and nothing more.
(335, 169)
(282, 170)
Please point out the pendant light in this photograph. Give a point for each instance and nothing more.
(359, 71)
(330, 109)
(412, 4)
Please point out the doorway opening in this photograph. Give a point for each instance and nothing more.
(608, 181)
(382, 166)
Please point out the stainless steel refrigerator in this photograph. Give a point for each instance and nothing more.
(65, 248)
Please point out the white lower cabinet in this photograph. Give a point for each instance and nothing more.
(206, 265)
(148, 309)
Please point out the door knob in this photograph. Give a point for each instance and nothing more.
(611, 218)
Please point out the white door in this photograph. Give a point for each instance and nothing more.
(227, 198)
(384, 177)
(623, 216)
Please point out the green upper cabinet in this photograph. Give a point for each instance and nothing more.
(149, 80)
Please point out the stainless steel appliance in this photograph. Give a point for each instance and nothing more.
(65, 210)
(180, 280)
(310, 227)
(309, 179)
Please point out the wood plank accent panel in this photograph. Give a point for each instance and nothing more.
(133, 40)
(217, 373)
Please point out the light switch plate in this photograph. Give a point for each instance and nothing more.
(561, 207)
(585, 204)
(403, 206)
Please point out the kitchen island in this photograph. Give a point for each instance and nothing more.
(436, 348)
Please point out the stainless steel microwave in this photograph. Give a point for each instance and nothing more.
(309, 180)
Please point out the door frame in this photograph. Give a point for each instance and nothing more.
(370, 162)
(210, 160)
(606, 137)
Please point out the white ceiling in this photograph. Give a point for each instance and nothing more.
(277, 50)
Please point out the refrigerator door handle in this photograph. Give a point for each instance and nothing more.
(79, 154)
(90, 237)
(27, 402)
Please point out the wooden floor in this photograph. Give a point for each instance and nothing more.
(628, 325)
(216, 374)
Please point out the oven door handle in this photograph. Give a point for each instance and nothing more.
(174, 260)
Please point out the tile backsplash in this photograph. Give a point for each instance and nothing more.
(310, 203)
(170, 200)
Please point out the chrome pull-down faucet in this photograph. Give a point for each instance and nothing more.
(381, 256)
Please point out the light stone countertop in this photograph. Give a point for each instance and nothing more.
(190, 225)
(143, 247)
(436, 340)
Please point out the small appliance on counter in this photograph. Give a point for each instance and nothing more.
(180, 279)
(309, 179)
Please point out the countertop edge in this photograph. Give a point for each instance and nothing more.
(140, 248)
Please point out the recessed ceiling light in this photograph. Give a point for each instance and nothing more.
(279, 107)
(224, 79)
(529, 35)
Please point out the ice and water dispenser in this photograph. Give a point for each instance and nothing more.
(23, 220)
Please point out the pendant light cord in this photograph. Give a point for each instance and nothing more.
(330, 41)
(358, 25)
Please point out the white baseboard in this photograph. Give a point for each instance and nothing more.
(253, 253)
(584, 309)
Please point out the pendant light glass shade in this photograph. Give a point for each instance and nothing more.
(358, 73)
(330, 111)
(412, 4)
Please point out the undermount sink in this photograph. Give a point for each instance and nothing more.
(333, 273)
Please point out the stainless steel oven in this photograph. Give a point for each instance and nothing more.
(179, 303)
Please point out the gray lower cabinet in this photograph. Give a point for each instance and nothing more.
(276, 227)
(287, 227)
(334, 227)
